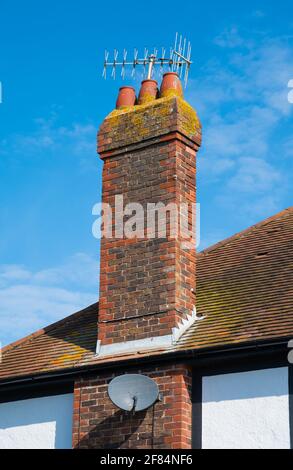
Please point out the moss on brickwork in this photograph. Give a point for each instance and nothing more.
(171, 92)
(139, 107)
(189, 119)
(146, 99)
(150, 119)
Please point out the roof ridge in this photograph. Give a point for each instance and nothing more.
(246, 231)
(48, 328)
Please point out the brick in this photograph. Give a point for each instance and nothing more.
(166, 425)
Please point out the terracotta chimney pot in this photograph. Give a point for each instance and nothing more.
(148, 92)
(171, 85)
(126, 97)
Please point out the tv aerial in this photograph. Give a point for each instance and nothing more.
(178, 60)
(133, 392)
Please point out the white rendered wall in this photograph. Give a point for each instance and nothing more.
(247, 410)
(37, 423)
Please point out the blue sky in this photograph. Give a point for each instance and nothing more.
(54, 99)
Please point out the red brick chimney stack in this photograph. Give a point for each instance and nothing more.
(147, 284)
(147, 281)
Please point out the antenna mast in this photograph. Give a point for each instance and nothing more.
(179, 60)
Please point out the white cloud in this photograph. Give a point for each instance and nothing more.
(248, 209)
(229, 38)
(79, 270)
(242, 99)
(77, 140)
(254, 176)
(33, 299)
(13, 272)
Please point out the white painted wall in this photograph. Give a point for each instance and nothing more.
(37, 423)
(248, 410)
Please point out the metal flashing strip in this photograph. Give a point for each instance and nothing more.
(145, 344)
(157, 342)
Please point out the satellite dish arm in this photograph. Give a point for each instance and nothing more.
(134, 403)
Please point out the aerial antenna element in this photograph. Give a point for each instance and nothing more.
(179, 60)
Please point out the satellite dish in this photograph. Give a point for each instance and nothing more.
(133, 392)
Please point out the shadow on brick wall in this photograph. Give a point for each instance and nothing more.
(118, 431)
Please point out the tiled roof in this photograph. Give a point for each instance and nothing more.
(244, 293)
(245, 286)
(64, 344)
